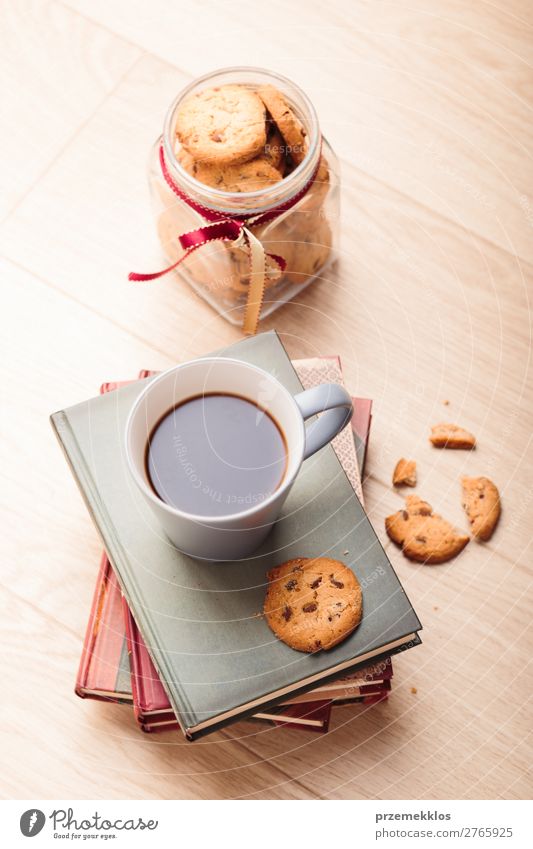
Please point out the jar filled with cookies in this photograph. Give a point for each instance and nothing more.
(246, 192)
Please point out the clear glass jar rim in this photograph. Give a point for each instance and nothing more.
(291, 184)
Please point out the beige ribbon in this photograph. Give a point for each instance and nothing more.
(256, 289)
(235, 232)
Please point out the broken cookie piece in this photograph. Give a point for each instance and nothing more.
(423, 535)
(404, 473)
(451, 436)
(481, 502)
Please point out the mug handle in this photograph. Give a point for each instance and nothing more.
(330, 399)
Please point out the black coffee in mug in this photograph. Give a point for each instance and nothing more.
(215, 455)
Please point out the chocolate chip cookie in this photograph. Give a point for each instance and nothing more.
(309, 252)
(481, 502)
(289, 125)
(423, 535)
(222, 125)
(244, 177)
(314, 198)
(274, 150)
(313, 604)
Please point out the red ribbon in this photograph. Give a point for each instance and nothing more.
(221, 227)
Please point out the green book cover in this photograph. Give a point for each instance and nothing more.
(215, 654)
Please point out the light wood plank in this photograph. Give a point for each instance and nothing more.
(434, 100)
(59, 352)
(75, 749)
(421, 246)
(55, 68)
(102, 221)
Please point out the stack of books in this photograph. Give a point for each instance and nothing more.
(183, 641)
(116, 667)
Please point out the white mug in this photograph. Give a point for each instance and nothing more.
(233, 536)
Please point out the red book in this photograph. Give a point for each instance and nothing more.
(104, 670)
(149, 696)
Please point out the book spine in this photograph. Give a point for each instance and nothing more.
(130, 642)
(97, 608)
(90, 633)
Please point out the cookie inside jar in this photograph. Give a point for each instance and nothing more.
(246, 143)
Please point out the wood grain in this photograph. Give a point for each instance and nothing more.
(56, 68)
(430, 301)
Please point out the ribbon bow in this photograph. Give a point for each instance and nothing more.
(235, 229)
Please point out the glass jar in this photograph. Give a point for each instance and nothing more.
(304, 232)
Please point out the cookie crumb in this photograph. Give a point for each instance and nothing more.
(404, 473)
(452, 436)
(288, 123)
(414, 691)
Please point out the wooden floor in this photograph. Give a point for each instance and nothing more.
(429, 105)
